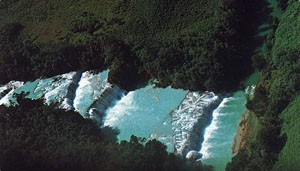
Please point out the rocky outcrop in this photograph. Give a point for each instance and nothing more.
(190, 119)
(193, 155)
(245, 131)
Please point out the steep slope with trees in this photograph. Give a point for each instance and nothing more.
(276, 99)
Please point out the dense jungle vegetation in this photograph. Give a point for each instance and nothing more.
(276, 99)
(35, 136)
(195, 45)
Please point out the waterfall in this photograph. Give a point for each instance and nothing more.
(7, 92)
(190, 118)
(125, 106)
(108, 97)
(218, 136)
(145, 113)
(211, 129)
(88, 93)
(62, 90)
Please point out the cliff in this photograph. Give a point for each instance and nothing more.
(246, 131)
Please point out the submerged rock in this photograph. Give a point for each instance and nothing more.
(190, 119)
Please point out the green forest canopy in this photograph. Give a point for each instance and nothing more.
(194, 45)
(276, 99)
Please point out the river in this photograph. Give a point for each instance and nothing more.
(218, 136)
(144, 112)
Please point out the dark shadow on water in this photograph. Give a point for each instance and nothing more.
(264, 23)
(263, 29)
(258, 16)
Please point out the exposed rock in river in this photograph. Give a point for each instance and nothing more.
(190, 119)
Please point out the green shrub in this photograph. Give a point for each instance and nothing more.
(289, 156)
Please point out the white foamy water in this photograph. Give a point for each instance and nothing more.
(189, 119)
(218, 136)
(8, 98)
(7, 92)
(59, 91)
(211, 130)
(72, 91)
(125, 106)
(89, 88)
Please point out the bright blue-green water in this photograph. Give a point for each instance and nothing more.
(87, 87)
(145, 113)
(218, 136)
(29, 88)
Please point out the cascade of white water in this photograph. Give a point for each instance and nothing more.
(7, 91)
(125, 106)
(88, 92)
(145, 113)
(190, 118)
(90, 87)
(210, 131)
(218, 136)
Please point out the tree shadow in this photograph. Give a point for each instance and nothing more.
(263, 25)
(110, 133)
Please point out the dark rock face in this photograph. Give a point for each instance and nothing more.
(190, 119)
